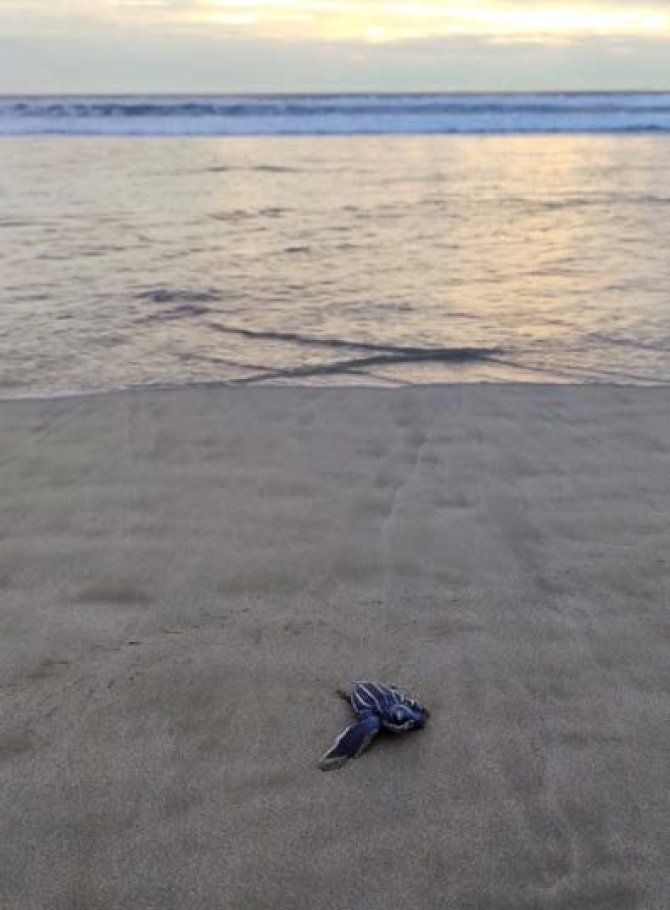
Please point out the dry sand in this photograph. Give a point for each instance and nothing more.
(187, 576)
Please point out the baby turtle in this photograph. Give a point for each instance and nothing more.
(378, 706)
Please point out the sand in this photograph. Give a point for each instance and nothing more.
(186, 577)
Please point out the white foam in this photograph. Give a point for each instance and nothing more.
(230, 115)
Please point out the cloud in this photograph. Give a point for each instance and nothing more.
(167, 62)
(399, 20)
(336, 20)
(293, 45)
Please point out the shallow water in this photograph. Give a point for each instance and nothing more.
(360, 259)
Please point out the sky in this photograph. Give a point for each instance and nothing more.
(332, 45)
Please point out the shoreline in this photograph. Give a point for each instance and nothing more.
(188, 575)
(393, 387)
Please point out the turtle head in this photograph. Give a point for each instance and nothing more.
(406, 716)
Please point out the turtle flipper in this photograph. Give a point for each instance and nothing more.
(351, 742)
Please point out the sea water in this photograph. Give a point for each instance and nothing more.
(328, 240)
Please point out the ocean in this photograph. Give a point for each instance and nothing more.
(333, 239)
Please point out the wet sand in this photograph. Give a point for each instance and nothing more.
(186, 577)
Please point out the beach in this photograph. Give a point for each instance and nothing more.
(187, 576)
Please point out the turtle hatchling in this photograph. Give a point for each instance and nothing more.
(378, 707)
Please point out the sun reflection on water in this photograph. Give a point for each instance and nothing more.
(411, 259)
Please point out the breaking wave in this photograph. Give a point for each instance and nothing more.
(233, 115)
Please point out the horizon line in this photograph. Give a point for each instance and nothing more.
(329, 93)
